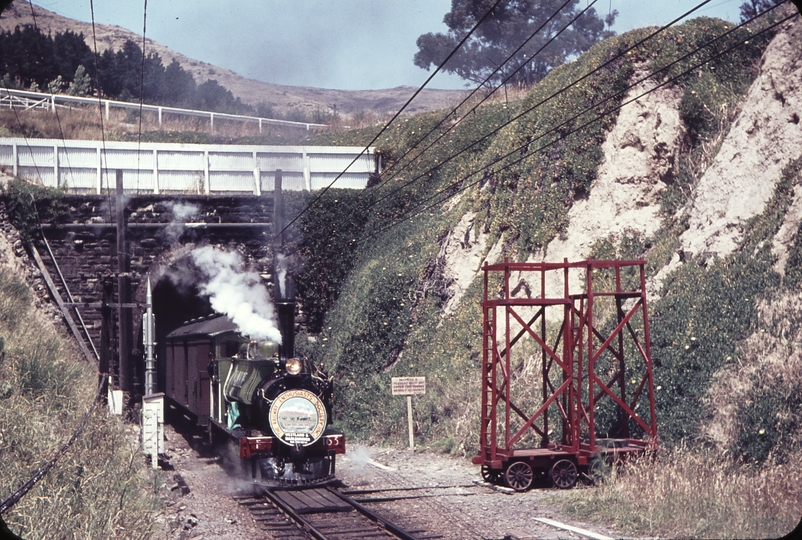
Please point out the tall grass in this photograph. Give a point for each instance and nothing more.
(693, 494)
(89, 123)
(98, 489)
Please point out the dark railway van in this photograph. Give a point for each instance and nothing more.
(276, 410)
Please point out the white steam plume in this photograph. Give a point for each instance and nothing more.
(181, 213)
(238, 293)
(281, 272)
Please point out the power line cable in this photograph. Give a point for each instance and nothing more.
(22, 130)
(393, 119)
(36, 210)
(524, 153)
(562, 137)
(142, 95)
(541, 102)
(621, 54)
(27, 486)
(55, 111)
(480, 85)
(535, 106)
(19, 122)
(39, 474)
(100, 111)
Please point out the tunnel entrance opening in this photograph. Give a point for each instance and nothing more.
(173, 305)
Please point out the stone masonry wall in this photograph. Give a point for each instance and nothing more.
(84, 244)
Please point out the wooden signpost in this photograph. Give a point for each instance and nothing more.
(409, 386)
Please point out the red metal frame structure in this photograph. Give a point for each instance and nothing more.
(600, 339)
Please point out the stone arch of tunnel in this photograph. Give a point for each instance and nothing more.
(84, 245)
(177, 298)
(173, 304)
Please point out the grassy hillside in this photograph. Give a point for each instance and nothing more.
(97, 489)
(387, 318)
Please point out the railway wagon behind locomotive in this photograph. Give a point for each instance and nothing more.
(276, 410)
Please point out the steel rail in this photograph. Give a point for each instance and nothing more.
(295, 516)
(304, 521)
(373, 516)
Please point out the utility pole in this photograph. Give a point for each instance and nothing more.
(283, 284)
(148, 326)
(123, 292)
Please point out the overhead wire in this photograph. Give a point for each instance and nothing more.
(55, 111)
(19, 122)
(393, 119)
(103, 153)
(479, 87)
(142, 95)
(57, 184)
(22, 130)
(15, 497)
(540, 103)
(523, 151)
(523, 147)
(562, 137)
(531, 109)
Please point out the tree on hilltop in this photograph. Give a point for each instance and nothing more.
(81, 83)
(750, 8)
(509, 25)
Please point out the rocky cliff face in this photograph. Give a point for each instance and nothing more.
(765, 137)
(640, 156)
(737, 181)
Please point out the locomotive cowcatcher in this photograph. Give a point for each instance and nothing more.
(275, 410)
(592, 401)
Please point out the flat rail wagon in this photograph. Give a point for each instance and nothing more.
(567, 383)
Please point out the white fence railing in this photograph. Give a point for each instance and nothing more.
(36, 100)
(90, 166)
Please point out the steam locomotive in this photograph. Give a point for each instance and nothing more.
(276, 410)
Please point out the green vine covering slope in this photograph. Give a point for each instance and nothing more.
(27, 203)
(386, 317)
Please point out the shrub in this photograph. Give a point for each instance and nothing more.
(28, 203)
(330, 231)
(692, 494)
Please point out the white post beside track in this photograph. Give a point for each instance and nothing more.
(153, 427)
(411, 431)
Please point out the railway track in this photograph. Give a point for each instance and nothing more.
(322, 513)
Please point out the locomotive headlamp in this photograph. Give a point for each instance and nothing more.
(294, 366)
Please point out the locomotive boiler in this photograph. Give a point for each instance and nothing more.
(275, 410)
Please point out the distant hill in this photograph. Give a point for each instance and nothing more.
(282, 98)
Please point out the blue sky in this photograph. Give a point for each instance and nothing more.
(343, 44)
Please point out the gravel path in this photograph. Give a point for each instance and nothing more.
(447, 499)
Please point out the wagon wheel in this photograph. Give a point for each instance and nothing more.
(563, 474)
(600, 469)
(489, 475)
(519, 476)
